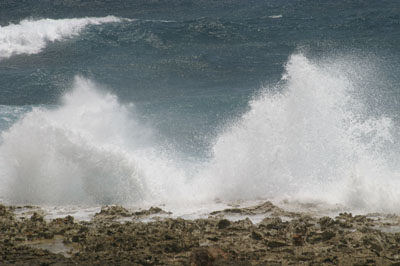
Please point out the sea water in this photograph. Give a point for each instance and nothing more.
(184, 105)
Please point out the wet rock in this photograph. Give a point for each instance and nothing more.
(326, 221)
(255, 235)
(36, 217)
(152, 210)
(68, 220)
(3, 210)
(78, 238)
(206, 256)
(318, 236)
(214, 238)
(224, 223)
(345, 215)
(275, 243)
(299, 227)
(227, 211)
(45, 234)
(114, 211)
(372, 243)
(245, 224)
(327, 235)
(361, 219)
(264, 208)
(345, 220)
(298, 240)
(347, 240)
(272, 223)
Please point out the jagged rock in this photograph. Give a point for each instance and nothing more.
(347, 240)
(114, 211)
(152, 210)
(264, 208)
(272, 223)
(326, 221)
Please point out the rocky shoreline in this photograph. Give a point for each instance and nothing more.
(117, 236)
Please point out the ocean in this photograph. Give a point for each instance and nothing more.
(197, 103)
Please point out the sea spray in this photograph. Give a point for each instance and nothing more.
(90, 150)
(31, 36)
(311, 141)
(310, 138)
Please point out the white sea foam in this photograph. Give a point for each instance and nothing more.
(32, 36)
(275, 16)
(90, 150)
(309, 139)
(312, 141)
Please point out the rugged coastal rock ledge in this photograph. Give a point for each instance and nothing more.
(281, 238)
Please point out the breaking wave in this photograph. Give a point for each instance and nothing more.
(308, 138)
(90, 150)
(314, 140)
(32, 36)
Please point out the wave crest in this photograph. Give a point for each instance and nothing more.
(31, 36)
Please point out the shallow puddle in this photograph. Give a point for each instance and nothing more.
(54, 245)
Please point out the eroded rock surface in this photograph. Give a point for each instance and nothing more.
(301, 240)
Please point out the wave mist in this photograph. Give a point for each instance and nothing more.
(88, 151)
(314, 140)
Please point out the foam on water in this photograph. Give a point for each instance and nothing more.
(31, 36)
(309, 139)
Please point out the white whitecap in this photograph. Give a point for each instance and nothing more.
(276, 16)
(32, 36)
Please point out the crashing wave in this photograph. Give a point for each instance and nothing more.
(307, 139)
